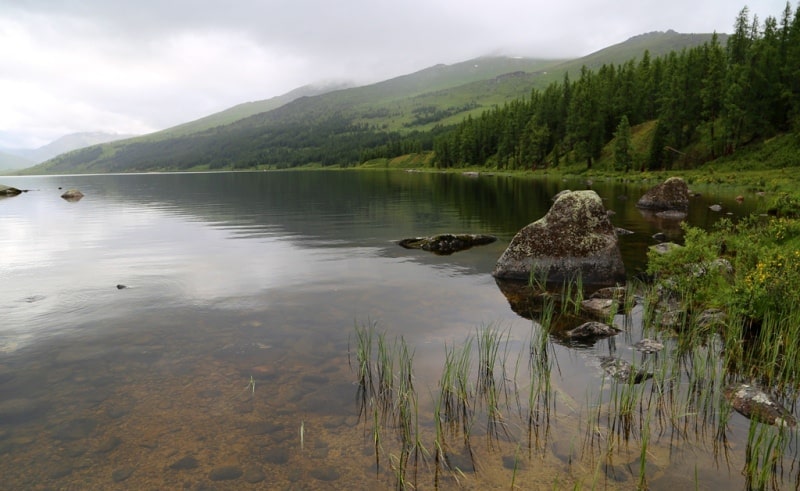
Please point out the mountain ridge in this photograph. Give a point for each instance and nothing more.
(430, 98)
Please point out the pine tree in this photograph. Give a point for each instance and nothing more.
(623, 160)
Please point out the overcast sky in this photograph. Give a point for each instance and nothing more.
(137, 66)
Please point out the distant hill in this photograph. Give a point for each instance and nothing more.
(334, 127)
(13, 162)
(64, 144)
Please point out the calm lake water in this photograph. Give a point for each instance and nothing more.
(226, 362)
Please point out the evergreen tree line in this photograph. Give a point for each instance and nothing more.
(707, 101)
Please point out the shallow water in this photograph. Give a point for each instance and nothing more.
(236, 322)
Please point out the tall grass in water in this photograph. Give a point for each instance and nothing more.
(364, 344)
(386, 393)
(540, 392)
(491, 391)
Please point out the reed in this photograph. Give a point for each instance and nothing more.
(364, 344)
(540, 392)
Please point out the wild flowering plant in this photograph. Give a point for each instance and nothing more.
(772, 286)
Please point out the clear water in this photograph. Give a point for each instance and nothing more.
(233, 330)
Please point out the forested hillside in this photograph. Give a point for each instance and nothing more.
(692, 99)
(395, 117)
(702, 103)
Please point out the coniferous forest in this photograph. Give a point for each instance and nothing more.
(701, 103)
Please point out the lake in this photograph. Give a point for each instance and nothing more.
(200, 331)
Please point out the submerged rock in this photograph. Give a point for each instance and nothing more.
(446, 244)
(672, 194)
(592, 330)
(675, 215)
(600, 308)
(752, 402)
(622, 370)
(574, 238)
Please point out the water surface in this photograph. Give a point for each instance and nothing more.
(232, 331)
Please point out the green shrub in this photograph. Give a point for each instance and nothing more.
(764, 254)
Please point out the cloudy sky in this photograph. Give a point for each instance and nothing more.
(136, 66)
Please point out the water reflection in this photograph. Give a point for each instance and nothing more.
(234, 334)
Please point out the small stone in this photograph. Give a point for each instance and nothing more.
(19, 410)
(511, 462)
(109, 444)
(671, 215)
(254, 475)
(75, 429)
(121, 474)
(591, 330)
(622, 370)
(60, 470)
(716, 208)
(647, 345)
(72, 195)
(325, 473)
(598, 307)
(185, 463)
(277, 456)
(120, 287)
(225, 473)
(665, 247)
(264, 428)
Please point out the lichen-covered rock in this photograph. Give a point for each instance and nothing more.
(752, 402)
(672, 194)
(446, 244)
(574, 238)
(623, 371)
(648, 345)
(592, 330)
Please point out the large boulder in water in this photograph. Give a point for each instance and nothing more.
(672, 194)
(574, 238)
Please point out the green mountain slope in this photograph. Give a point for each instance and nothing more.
(245, 110)
(336, 127)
